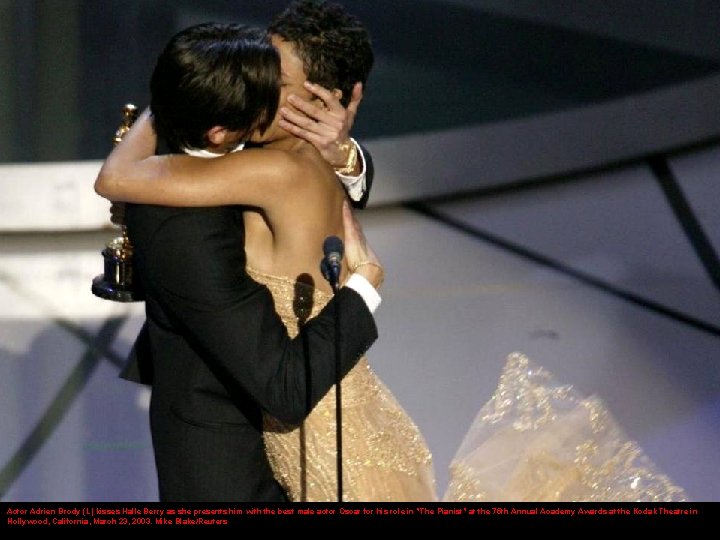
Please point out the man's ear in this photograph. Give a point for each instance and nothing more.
(337, 93)
(216, 135)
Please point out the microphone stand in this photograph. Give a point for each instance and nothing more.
(338, 398)
(331, 276)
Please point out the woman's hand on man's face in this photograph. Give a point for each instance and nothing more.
(326, 127)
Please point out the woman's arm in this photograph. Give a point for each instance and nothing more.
(132, 173)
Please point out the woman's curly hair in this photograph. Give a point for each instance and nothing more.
(333, 45)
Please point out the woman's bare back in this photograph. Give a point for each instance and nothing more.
(287, 238)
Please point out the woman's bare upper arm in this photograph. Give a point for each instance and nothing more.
(252, 177)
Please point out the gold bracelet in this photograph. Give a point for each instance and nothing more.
(354, 268)
(351, 159)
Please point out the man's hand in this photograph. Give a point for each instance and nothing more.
(361, 258)
(325, 128)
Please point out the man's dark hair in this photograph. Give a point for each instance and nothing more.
(333, 45)
(214, 75)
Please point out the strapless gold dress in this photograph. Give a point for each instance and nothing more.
(385, 458)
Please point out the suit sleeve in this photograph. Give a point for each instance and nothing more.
(231, 320)
(369, 175)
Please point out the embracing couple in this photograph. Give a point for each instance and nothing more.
(239, 343)
(236, 175)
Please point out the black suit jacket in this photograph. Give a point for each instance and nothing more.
(218, 354)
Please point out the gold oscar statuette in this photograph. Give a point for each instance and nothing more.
(117, 281)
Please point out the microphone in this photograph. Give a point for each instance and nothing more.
(332, 261)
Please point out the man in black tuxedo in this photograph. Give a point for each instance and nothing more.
(213, 347)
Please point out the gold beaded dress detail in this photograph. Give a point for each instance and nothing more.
(537, 440)
(534, 440)
(385, 458)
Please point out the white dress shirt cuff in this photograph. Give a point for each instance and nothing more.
(362, 286)
(355, 185)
